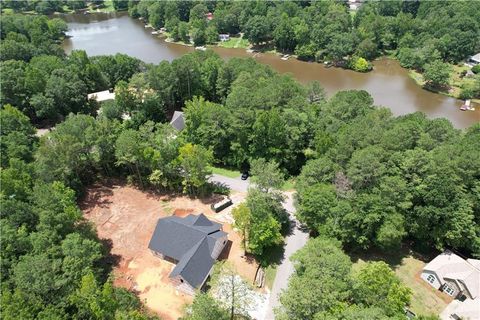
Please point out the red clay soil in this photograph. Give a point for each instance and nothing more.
(125, 218)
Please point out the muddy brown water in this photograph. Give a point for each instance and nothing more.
(388, 83)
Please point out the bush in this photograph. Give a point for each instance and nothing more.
(476, 69)
(466, 93)
(360, 64)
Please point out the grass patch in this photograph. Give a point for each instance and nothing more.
(226, 172)
(106, 7)
(270, 260)
(456, 83)
(289, 185)
(270, 273)
(425, 299)
(235, 42)
(7, 11)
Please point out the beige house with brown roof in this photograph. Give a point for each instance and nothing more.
(458, 278)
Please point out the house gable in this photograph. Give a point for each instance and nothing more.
(194, 242)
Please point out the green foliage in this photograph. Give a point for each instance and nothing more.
(205, 307)
(320, 282)
(194, 162)
(437, 74)
(243, 219)
(360, 64)
(375, 284)
(324, 286)
(476, 69)
(265, 227)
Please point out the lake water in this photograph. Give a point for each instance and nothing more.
(389, 84)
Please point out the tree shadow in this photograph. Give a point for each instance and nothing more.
(97, 196)
(211, 199)
(109, 260)
(272, 256)
(226, 251)
(393, 257)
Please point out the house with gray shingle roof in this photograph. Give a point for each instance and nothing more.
(193, 243)
(178, 120)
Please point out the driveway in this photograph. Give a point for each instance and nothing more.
(293, 242)
(235, 184)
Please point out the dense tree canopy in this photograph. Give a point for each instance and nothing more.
(325, 286)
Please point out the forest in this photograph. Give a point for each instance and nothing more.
(364, 178)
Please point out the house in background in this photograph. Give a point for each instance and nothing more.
(460, 279)
(101, 96)
(193, 243)
(223, 37)
(474, 60)
(178, 120)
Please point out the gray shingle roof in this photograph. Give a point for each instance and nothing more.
(178, 120)
(190, 241)
(196, 264)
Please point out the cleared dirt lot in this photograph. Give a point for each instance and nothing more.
(125, 218)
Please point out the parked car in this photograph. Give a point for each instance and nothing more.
(219, 206)
(244, 176)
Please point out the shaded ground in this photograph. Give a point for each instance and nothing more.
(125, 218)
(408, 267)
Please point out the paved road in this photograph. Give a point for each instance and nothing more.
(293, 242)
(236, 184)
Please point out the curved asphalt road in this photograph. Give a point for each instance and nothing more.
(293, 242)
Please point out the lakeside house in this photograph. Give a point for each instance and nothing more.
(178, 121)
(102, 95)
(193, 243)
(460, 279)
(223, 37)
(474, 60)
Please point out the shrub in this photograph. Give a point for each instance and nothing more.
(476, 69)
(360, 64)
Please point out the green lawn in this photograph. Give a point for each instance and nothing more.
(107, 7)
(235, 42)
(456, 83)
(425, 299)
(289, 185)
(226, 172)
(270, 273)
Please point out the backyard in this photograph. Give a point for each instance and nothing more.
(125, 218)
(408, 268)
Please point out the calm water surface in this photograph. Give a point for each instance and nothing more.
(389, 84)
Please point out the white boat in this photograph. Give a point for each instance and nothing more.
(202, 48)
(285, 57)
(155, 32)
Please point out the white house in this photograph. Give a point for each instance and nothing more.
(460, 279)
(102, 95)
(474, 60)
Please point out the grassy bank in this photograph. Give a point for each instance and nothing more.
(235, 42)
(226, 172)
(107, 7)
(456, 83)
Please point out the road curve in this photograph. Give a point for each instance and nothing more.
(293, 242)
